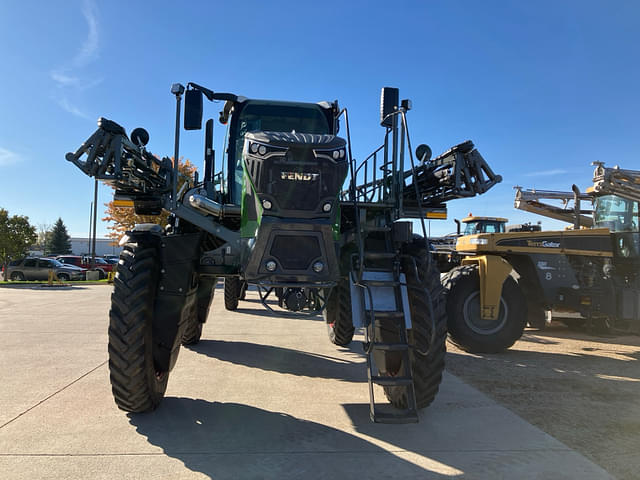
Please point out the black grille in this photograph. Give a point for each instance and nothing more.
(296, 194)
(295, 252)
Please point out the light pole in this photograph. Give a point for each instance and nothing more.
(95, 214)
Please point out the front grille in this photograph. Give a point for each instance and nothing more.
(295, 252)
(297, 195)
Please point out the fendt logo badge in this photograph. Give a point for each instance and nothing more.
(299, 176)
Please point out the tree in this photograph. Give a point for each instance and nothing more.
(124, 218)
(16, 236)
(58, 241)
(43, 230)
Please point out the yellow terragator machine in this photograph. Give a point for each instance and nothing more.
(507, 280)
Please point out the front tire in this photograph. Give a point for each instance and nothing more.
(467, 328)
(137, 385)
(427, 363)
(337, 314)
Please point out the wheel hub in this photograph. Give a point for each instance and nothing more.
(474, 320)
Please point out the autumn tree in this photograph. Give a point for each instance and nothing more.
(16, 236)
(58, 240)
(124, 218)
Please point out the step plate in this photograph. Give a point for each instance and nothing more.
(383, 297)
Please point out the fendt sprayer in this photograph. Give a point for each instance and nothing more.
(509, 279)
(279, 220)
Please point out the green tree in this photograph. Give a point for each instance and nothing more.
(58, 240)
(16, 236)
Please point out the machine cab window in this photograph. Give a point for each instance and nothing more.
(616, 213)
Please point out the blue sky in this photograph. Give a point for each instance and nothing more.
(542, 88)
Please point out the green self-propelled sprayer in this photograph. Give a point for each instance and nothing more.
(292, 214)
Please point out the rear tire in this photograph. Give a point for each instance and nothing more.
(232, 287)
(199, 311)
(193, 328)
(427, 364)
(467, 329)
(136, 384)
(337, 314)
(17, 277)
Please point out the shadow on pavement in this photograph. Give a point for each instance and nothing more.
(284, 360)
(230, 440)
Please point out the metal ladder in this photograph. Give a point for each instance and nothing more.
(384, 276)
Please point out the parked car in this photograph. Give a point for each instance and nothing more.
(101, 265)
(112, 259)
(38, 269)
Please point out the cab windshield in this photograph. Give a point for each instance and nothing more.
(483, 227)
(616, 213)
(282, 118)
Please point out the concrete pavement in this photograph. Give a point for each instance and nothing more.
(259, 397)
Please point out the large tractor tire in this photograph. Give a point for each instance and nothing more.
(466, 327)
(136, 383)
(232, 291)
(199, 311)
(193, 327)
(427, 347)
(337, 314)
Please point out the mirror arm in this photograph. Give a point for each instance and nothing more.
(208, 93)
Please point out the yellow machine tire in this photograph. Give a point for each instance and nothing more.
(466, 328)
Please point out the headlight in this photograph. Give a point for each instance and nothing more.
(334, 154)
(265, 150)
(478, 241)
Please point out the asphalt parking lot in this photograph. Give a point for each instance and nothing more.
(259, 397)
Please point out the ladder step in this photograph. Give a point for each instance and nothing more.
(381, 283)
(392, 381)
(390, 347)
(403, 416)
(381, 314)
(379, 255)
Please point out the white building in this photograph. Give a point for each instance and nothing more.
(104, 246)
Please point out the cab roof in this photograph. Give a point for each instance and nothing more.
(473, 218)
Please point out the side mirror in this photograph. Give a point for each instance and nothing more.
(389, 98)
(193, 110)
